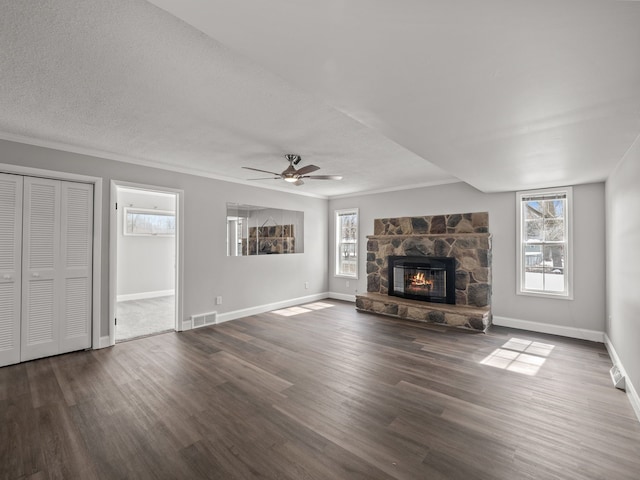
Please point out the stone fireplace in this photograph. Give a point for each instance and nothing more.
(434, 269)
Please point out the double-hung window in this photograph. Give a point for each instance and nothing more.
(544, 242)
(347, 243)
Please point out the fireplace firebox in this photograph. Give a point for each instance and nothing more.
(430, 279)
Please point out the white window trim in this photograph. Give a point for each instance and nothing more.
(520, 290)
(336, 263)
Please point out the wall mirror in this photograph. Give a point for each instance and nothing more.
(254, 230)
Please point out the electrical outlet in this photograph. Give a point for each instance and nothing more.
(347, 283)
(306, 284)
(219, 300)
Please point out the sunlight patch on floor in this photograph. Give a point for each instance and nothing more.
(520, 356)
(318, 305)
(288, 312)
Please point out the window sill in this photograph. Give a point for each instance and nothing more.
(556, 296)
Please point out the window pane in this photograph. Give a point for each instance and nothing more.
(554, 230)
(533, 257)
(553, 282)
(150, 223)
(554, 258)
(534, 280)
(534, 230)
(532, 210)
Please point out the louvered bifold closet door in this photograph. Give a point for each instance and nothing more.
(76, 261)
(10, 267)
(40, 268)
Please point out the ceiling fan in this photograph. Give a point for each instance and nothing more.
(291, 175)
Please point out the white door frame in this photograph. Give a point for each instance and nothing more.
(113, 250)
(96, 284)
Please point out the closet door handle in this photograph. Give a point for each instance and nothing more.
(36, 274)
(6, 276)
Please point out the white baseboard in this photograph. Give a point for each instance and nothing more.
(632, 393)
(104, 342)
(246, 312)
(572, 332)
(144, 295)
(342, 296)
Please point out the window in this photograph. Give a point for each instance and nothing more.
(544, 243)
(347, 243)
(140, 221)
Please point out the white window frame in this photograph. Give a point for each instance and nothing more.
(145, 211)
(338, 242)
(521, 289)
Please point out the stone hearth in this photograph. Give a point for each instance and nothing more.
(474, 318)
(464, 237)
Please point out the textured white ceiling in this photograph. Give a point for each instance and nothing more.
(504, 95)
(127, 79)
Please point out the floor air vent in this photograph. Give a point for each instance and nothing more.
(204, 319)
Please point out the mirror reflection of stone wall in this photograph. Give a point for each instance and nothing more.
(255, 230)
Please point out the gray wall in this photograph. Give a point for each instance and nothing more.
(586, 311)
(145, 263)
(243, 282)
(623, 262)
(246, 282)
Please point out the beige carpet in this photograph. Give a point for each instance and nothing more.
(137, 318)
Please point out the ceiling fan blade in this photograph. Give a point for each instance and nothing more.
(263, 171)
(307, 169)
(298, 182)
(265, 178)
(323, 177)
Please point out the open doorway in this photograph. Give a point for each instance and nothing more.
(146, 222)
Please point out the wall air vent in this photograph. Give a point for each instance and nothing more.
(204, 319)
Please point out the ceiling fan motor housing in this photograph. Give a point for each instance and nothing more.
(293, 158)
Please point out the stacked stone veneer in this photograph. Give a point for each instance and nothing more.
(269, 240)
(464, 237)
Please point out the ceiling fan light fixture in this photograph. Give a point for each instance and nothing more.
(290, 179)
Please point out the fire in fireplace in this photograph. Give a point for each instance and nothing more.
(431, 279)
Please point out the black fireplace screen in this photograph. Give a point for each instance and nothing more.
(431, 279)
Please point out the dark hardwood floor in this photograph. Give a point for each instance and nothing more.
(324, 394)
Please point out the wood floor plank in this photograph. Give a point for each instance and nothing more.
(20, 448)
(327, 393)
